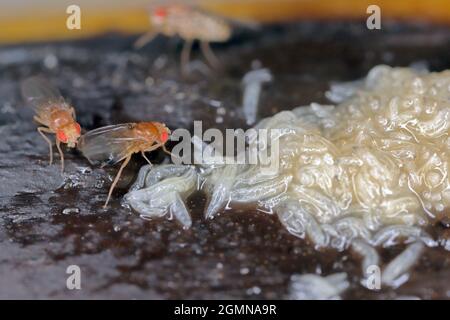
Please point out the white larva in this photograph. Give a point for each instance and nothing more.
(354, 174)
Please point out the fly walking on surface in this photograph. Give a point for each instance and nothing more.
(53, 113)
(190, 24)
(112, 144)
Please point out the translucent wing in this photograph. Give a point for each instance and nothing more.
(108, 145)
(39, 93)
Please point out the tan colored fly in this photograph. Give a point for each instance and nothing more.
(189, 23)
(53, 113)
(112, 144)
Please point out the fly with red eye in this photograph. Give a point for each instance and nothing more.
(61, 136)
(53, 113)
(117, 143)
(160, 13)
(164, 137)
(191, 24)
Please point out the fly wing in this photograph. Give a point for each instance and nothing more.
(108, 145)
(39, 93)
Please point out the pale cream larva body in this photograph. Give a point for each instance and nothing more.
(371, 171)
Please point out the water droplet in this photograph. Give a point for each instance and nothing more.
(169, 108)
(180, 96)
(50, 61)
(70, 210)
(215, 103)
(244, 271)
(254, 290)
(149, 81)
(85, 170)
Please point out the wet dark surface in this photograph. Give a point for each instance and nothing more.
(49, 221)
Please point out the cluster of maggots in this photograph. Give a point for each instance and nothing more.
(371, 171)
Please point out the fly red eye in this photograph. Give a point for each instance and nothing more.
(160, 13)
(61, 136)
(164, 137)
(77, 128)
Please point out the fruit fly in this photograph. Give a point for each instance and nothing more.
(190, 24)
(53, 113)
(112, 144)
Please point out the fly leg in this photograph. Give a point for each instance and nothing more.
(116, 179)
(41, 131)
(154, 147)
(72, 111)
(149, 162)
(185, 56)
(169, 153)
(61, 154)
(144, 39)
(209, 54)
(166, 151)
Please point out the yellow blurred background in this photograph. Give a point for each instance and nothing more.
(28, 20)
